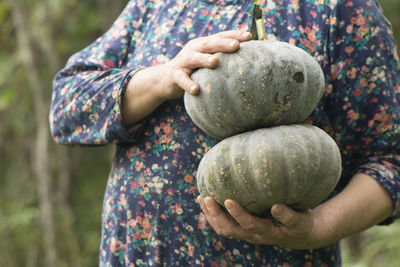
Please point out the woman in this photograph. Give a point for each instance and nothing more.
(126, 88)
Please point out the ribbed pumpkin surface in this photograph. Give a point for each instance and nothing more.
(265, 83)
(297, 165)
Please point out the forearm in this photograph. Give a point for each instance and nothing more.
(362, 204)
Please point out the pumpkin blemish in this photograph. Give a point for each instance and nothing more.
(298, 77)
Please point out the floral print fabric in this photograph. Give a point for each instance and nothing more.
(150, 213)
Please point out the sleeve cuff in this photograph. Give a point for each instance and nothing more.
(123, 133)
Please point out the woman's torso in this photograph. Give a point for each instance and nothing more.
(150, 214)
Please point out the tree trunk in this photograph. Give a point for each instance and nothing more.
(40, 153)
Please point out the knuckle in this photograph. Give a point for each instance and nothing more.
(179, 78)
(292, 220)
(203, 44)
(196, 57)
(198, 43)
(177, 75)
(222, 231)
(249, 227)
(224, 33)
(219, 230)
(203, 61)
(255, 239)
(178, 58)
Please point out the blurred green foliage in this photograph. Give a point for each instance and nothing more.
(379, 246)
(57, 29)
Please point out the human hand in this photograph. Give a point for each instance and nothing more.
(197, 53)
(297, 229)
(152, 86)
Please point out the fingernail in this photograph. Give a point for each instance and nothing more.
(278, 210)
(192, 88)
(232, 43)
(245, 34)
(228, 205)
(207, 201)
(210, 59)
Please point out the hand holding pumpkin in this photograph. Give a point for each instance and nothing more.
(296, 230)
(198, 53)
(360, 205)
(151, 86)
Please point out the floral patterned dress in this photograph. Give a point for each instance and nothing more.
(150, 213)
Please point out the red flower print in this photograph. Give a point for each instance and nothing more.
(314, 14)
(358, 91)
(109, 63)
(114, 245)
(134, 185)
(188, 178)
(205, 12)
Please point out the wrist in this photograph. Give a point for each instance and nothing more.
(323, 232)
(161, 82)
(360, 205)
(142, 95)
(148, 82)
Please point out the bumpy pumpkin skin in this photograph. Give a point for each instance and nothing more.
(265, 83)
(297, 165)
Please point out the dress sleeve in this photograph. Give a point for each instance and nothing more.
(365, 78)
(87, 93)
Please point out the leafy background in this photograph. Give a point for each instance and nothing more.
(51, 196)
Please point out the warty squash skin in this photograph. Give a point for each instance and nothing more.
(297, 165)
(264, 83)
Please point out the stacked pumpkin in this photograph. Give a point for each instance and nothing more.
(256, 100)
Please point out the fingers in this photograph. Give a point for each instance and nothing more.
(214, 215)
(203, 205)
(263, 231)
(214, 44)
(219, 221)
(245, 219)
(235, 34)
(295, 225)
(198, 53)
(296, 230)
(183, 80)
(213, 210)
(221, 42)
(197, 60)
(285, 215)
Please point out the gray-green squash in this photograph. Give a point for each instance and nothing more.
(297, 165)
(264, 83)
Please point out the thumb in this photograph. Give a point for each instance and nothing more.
(285, 215)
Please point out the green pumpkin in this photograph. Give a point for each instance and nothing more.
(297, 165)
(264, 83)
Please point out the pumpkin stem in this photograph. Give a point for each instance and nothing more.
(257, 27)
